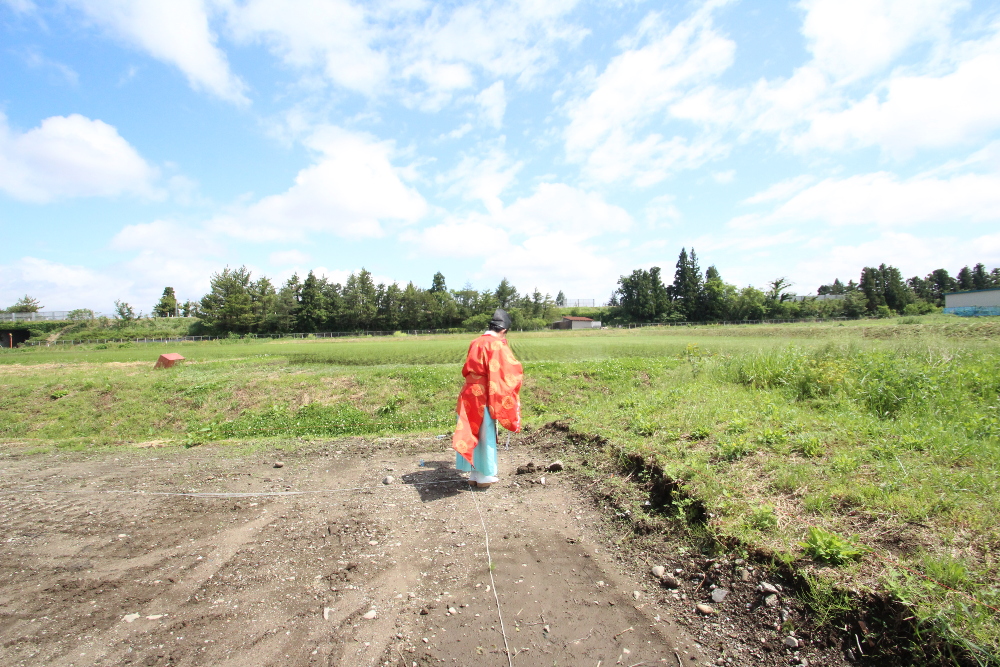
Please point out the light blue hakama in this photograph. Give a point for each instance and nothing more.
(484, 456)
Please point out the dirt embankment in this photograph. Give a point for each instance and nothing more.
(96, 568)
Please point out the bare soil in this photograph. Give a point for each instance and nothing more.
(98, 567)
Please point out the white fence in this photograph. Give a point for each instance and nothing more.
(32, 317)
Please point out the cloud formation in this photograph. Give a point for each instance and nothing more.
(71, 156)
(350, 191)
(176, 32)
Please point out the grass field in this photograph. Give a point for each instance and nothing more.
(864, 454)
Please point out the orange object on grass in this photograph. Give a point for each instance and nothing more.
(168, 360)
(492, 379)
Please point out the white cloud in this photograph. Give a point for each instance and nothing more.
(868, 85)
(851, 39)
(541, 240)
(333, 36)
(782, 189)
(912, 255)
(176, 32)
(483, 178)
(882, 198)
(350, 190)
(57, 286)
(20, 6)
(662, 212)
(71, 156)
(927, 111)
(424, 53)
(501, 39)
(492, 102)
(166, 239)
(285, 258)
(609, 128)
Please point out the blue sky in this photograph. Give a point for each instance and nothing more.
(559, 143)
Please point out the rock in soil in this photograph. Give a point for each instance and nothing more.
(389, 479)
(659, 571)
(526, 469)
(791, 642)
(719, 594)
(670, 581)
(555, 466)
(279, 464)
(705, 609)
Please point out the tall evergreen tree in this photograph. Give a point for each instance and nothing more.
(505, 294)
(965, 280)
(312, 305)
(263, 304)
(980, 279)
(227, 307)
(560, 299)
(437, 284)
(686, 288)
(360, 302)
(167, 305)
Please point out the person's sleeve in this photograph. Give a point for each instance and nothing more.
(505, 377)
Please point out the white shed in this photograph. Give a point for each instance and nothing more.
(574, 322)
(974, 303)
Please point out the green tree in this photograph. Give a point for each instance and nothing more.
(124, 314)
(26, 304)
(227, 308)
(505, 294)
(263, 305)
(686, 288)
(642, 297)
(437, 283)
(750, 303)
(286, 306)
(778, 289)
(389, 306)
(167, 305)
(980, 279)
(312, 313)
(79, 314)
(965, 280)
(717, 296)
(360, 302)
(561, 299)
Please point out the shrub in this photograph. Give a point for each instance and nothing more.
(826, 547)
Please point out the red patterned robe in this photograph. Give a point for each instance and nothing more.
(492, 379)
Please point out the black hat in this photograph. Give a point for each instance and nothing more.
(500, 320)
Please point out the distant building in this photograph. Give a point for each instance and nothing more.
(573, 322)
(817, 297)
(975, 303)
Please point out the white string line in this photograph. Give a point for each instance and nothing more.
(234, 494)
(493, 583)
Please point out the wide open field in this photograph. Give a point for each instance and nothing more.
(885, 436)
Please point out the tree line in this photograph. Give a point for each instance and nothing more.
(240, 304)
(693, 296)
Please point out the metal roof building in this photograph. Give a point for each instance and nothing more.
(974, 303)
(573, 322)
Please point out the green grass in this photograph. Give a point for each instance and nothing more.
(867, 454)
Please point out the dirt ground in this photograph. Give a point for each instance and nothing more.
(99, 567)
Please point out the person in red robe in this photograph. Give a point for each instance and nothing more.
(490, 397)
